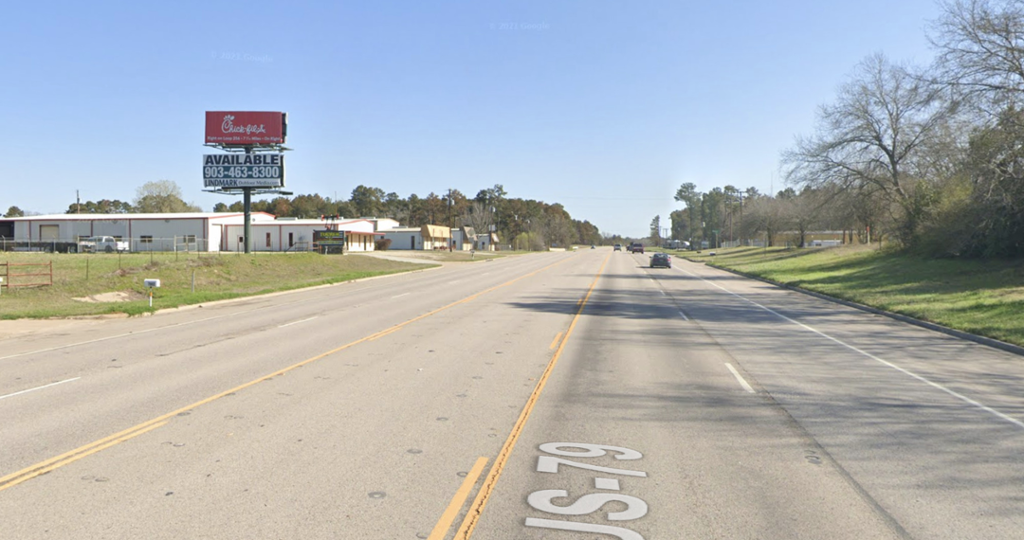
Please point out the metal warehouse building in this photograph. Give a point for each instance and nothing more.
(196, 231)
(426, 237)
(179, 231)
(289, 234)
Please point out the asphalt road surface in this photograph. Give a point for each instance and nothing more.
(552, 396)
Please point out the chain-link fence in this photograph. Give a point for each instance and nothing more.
(114, 244)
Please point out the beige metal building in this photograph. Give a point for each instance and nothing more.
(427, 237)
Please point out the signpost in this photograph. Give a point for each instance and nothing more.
(254, 142)
(329, 241)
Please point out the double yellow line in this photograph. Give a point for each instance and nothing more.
(51, 464)
(477, 508)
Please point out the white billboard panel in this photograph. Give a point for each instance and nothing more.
(229, 171)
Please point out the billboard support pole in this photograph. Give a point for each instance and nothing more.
(247, 208)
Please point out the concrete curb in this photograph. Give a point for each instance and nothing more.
(981, 340)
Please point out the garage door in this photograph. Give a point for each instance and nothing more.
(48, 233)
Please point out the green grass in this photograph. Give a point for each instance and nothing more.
(217, 277)
(980, 297)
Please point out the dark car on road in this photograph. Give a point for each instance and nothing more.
(635, 247)
(661, 259)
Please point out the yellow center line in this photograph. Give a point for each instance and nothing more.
(445, 523)
(64, 459)
(74, 455)
(384, 333)
(477, 508)
(554, 341)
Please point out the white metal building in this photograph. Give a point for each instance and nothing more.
(427, 237)
(463, 239)
(382, 224)
(196, 231)
(487, 241)
(284, 234)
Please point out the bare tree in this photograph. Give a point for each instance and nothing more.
(479, 216)
(872, 136)
(981, 47)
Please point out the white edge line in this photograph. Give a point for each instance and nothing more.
(933, 384)
(296, 322)
(116, 336)
(739, 378)
(400, 295)
(39, 387)
(683, 315)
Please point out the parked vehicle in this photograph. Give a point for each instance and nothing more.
(661, 259)
(636, 247)
(105, 244)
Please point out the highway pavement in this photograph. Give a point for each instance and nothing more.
(573, 395)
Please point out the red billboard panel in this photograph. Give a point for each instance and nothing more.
(245, 128)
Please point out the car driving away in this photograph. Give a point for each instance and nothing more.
(635, 247)
(618, 247)
(661, 259)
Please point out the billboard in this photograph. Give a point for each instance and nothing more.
(229, 171)
(246, 127)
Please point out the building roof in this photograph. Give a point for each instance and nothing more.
(436, 231)
(111, 217)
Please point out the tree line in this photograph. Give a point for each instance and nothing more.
(522, 223)
(931, 158)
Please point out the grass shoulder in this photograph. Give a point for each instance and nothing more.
(98, 284)
(983, 297)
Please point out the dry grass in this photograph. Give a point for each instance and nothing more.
(216, 276)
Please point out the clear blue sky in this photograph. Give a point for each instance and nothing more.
(604, 106)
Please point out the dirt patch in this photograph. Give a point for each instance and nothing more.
(117, 296)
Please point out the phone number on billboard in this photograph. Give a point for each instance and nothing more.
(242, 172)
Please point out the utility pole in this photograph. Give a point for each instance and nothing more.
(451, 240)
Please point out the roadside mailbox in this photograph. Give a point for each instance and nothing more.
(151, 284)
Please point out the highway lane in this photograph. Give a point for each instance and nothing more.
(368, 439)
(931, 426)
(780, 419)
(719, 461)
(183, 356)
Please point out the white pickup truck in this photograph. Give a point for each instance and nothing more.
(105, 244)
